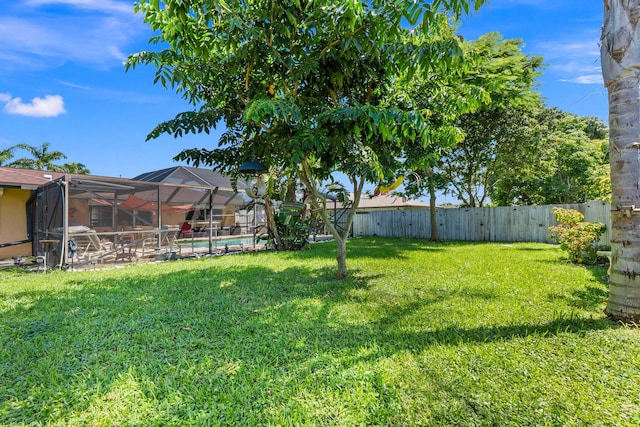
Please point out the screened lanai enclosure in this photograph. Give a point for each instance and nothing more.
(79, 220)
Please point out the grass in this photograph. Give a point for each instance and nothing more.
(420, 334)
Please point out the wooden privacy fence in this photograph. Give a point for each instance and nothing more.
(497, 224)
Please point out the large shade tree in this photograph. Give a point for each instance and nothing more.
(500, 76)
(620, 53)
(509, 77)
(306, 86)
(445, 99)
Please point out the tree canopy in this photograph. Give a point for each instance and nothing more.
(551, 157)
(41, 158)
(504, 77)
(509, 78)
(6, 154)
(303, 85)
(528, 155)
(515, 150)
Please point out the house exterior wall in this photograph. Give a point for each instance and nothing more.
(13, 222)
(228, 216)
(79, 212)
(174, 219)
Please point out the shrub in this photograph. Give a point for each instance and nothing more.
(580, 239)
(293, 229)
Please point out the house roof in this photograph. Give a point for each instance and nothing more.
(187, 175)
(26, 179)
(382, 201)
(29, 179)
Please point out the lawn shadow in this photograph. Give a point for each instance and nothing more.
(456, 335)
(594, 295)
(589, 298)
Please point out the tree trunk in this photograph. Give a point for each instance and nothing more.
(620, 58)
(341, 258)
(435, 237)
(271, 224)
(319, 204)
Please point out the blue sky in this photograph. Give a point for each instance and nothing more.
(62, 79)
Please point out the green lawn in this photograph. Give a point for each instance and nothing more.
(421, 334)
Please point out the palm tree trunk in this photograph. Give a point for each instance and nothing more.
(620, 57)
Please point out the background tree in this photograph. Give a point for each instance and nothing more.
(466, 108)
(74, 167)
(6, 155)
(426, 182)
(549, 156)
(41, 158)
(301, 86)
(508, 76)
(441, 97)
(620, 59)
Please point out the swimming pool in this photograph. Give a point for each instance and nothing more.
(218, 243)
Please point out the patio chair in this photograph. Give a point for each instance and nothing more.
(168, 238)
(185, 230)
(89, 244)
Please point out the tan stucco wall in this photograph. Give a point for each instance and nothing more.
(228, 216)
(174, 219)
(13, 222)
(79, 212)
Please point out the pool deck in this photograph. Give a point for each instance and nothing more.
(181, 249)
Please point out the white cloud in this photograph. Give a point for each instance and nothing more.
(586, 47)
(90, 32)
(105, 6)
(575, 66)
(49, 106)
(588, 79)
(5, 97)
(73, 85)
(574, 58)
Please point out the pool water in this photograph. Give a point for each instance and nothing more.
(204, 244)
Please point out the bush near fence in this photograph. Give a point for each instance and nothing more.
(494, 224)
